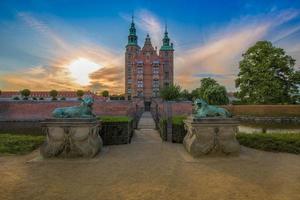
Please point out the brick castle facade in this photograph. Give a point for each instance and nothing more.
(146, 70)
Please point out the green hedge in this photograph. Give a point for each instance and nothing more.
(163, 129)
(116, 129)
(19, 144)
(115, 118)
(178, 131)
(277, 142)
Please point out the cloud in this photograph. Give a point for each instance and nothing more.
(149, 23)
(223, 49)
(54, 72)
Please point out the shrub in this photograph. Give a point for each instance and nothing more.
(277, 142)
(54, 99)
(178, 131)
(34, 98)
(41, 98)
(163, 129)
(63, 98)
(105, 93)
(19, 144)
(16, 98)
(79, 93)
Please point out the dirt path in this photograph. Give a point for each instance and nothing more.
(150, 169)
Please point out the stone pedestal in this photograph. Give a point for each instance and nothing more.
(211, 136)
(71, 137)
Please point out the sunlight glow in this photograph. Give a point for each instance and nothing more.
(81, 68)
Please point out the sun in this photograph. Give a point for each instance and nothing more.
(81, 68)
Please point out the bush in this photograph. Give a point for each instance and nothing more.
(277, 142)
(34, 98)
(63, 98)
(41, 98)
(19, 144)
(54, 99)
(16, 98)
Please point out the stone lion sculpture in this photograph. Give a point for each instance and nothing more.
(84, 110)
(204, 110)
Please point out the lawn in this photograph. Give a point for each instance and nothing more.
(19, 144)
(276, 142)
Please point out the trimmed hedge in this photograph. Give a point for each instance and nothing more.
(116, 129)
(19, 144)
(276, 142)
(178, 131)
(163, 129)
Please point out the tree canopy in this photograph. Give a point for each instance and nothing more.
(105, 93)
(79, 93)
(53, 94)
(25, 93)
(267, 75)
(171, 92)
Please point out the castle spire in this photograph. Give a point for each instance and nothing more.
(166, 41)
(132, 37)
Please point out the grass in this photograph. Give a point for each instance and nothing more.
(276, 142)
(115, 118)
(19, 144)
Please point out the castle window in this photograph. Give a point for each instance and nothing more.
(166, 75)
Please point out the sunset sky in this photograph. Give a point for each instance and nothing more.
(68, 45)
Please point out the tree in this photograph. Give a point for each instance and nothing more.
(53, 94)
(216, 95)
(185, 95)
(206, 83)
(25, 93)
(105, 93)
(79, 93)
(171, 92)
(267, 75)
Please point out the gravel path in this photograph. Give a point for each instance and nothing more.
(150, 169)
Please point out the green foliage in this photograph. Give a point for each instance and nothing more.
(16, 98)
(19, 144)
(25, 93)
(170, 93)
(105, 93)
(267, 76)
(34, 98)
(185, 95)
(41, 98)
(53, 94)
(163, 129)
(115, 118)
(178, 119)
(216, 95)
(117, 97)
(63, 98)
(205, 84)
(278, 142)
(79, 93)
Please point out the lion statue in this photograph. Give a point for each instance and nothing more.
(204, 110)
(84, 110)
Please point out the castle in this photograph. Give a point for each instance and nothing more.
(146, 70)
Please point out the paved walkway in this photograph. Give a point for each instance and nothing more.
(150, 169)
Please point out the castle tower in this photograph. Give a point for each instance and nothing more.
(146, 71)
(166, 54)
(132, 50)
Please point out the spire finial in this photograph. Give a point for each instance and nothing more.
(166, 28)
